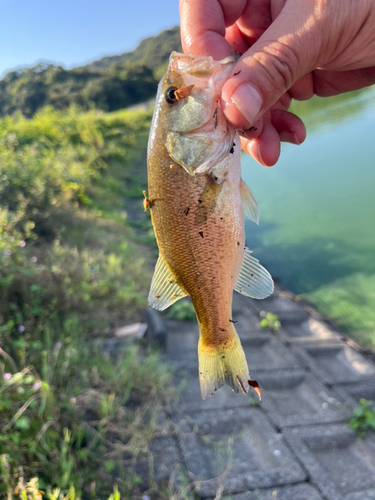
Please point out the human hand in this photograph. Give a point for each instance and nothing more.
(291, 49)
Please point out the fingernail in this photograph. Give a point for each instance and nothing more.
(289, 137)
(248, 101)
(253, 149)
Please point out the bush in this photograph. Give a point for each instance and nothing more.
(52, 169)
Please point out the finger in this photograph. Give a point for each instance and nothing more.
(203, 25)
(289, 126)
(252, 132)
(256, 130)
(255, 19)
(328, 83)
(266, 148)
(283, 103)
(282, 55)
(234, 36)
(303, 89)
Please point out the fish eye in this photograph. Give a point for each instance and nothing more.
(170, 95)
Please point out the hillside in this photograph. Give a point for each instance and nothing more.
(153, 52)
(109, 84)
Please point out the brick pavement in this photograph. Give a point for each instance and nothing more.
(296, 444)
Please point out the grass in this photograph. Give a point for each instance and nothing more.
(75, 423)
(363, 418)
(83, 421)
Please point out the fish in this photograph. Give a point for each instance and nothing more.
(198, 203)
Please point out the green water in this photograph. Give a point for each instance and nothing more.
(317, 212)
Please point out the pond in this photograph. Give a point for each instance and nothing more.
(317, 212)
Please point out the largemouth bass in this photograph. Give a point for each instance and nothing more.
(198, 201)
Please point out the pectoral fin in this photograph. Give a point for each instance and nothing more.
(253, 281)
(249, 203)
(164, 290)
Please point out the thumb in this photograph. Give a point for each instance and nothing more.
(291, 47)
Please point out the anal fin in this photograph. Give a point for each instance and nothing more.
(254, 280)
(164, 289)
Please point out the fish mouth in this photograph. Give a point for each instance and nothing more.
(201, 66)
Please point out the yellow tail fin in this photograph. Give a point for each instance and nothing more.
(224, 364)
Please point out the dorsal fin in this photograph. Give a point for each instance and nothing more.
(164, 290)
(249, 203)
(253, 281)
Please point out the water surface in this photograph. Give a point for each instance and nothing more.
(317, 211)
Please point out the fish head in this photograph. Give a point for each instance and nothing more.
(195, 131)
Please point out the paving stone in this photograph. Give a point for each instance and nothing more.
(248, 326)
(257, 455)
(308, 331)
(166, 461)
(266, 352)
(341, 465)
(182, 344)
(155, 334)
(296, 492)
(262, 352)
(335, 363)
(242, 304)
(296, 397)
(191, 401)
(354, 392)
(287, 310)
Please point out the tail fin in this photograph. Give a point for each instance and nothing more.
(224, 364)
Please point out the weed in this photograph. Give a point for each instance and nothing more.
(254, 402)
(363, 417)
(269, 321)
(91, 425)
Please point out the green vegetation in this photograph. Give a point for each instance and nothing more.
(109, 84)
(269, 321)
(30, 89)
(153, 52)
(363, 418)
(182, 310)
(63, 178)
(84, 420)
(71, 270)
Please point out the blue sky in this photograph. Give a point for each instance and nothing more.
(72, 32)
